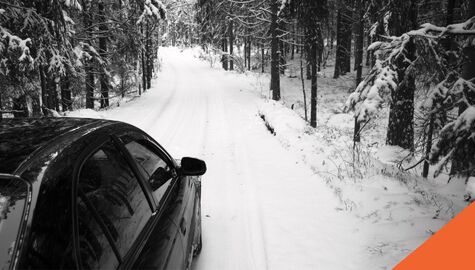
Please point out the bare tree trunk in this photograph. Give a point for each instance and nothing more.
(425, 169)
(303, 88)
(359, 52)
(246, 51)
(332, 40)
(144, 59)
(149, 63)
(36, 106)
(282, 49)
(320, 50)
(379, 32)
(282, 58)
(231, 45)
(66, 99)
(89, 87)
(368, 54)
(48, 89)
(144, 70)
(88, 66)
(103, 52)
(275, 79)
(54, 94)
(313, 92)
(262, 59)
(224, 59)
(401, 114)
(44, 90)
(447, 41)
(343, 39)
(359, 61)
(308, 71)
(346, 40)
(292, 49)
(249, 50)
(148, 56)
(339, 53)
(450, 11)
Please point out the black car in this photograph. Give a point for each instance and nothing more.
(94, 194)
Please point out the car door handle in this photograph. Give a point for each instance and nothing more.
(183, 226)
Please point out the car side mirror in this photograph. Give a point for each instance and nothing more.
(159, 177)
(192, 166)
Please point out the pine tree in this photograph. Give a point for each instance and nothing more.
(401, 113)
(463, 155)
(440, 67)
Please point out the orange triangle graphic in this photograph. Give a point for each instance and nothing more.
(450, 248)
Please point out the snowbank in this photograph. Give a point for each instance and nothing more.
(368, 184)
(85, 113)
(281, 119)
(391, 154)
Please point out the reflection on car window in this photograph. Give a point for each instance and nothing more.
(111, 204)
(13, 195)
(155, 168)
(51, 228)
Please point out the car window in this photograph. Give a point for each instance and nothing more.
(112, 209)
(155, 168)
(50, 244)
(13, 195)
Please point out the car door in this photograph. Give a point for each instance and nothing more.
(187, 224)
(159, 171)
(158, 166)
(112, 214)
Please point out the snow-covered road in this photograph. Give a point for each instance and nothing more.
(262, 208)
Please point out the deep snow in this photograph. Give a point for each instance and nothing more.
(287, 201)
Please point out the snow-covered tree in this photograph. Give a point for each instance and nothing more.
(59, 49)
(432, 63)
(36, 49)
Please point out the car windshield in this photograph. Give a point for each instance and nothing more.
(13, 196)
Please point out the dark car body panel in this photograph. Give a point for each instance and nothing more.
(20, 138)
(51, 161)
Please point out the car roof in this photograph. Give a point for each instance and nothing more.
(20, 138)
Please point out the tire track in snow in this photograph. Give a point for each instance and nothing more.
(226, 199)
(253, 215)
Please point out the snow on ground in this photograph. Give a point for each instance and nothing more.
(395, 212)
(399, 209)
(279, 194)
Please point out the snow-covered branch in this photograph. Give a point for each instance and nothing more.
(376, 88)
(457, 136)
(430, 30)
(153, 9)
(374, 91)
(13, 45)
